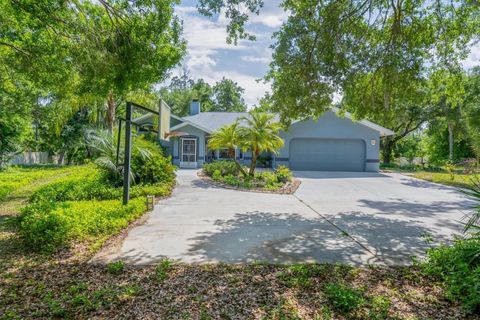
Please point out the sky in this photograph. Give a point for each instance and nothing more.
(211, 58)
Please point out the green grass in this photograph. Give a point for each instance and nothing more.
(15, 178)
(441, 175)
(456, 180)
(49, 226)
(65, 205)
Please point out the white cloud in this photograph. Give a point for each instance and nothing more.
(210, 57)
(255, 59)
(473, 58)
(271, 20)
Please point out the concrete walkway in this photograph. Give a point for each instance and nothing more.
(357, 218)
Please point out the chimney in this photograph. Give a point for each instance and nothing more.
(194, 107)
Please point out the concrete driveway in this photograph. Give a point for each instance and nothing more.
(357, 218)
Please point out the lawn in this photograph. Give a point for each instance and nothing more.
(36, 282)
(461, 180)
(456, 178)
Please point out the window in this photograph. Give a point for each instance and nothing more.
(224, 154)
(240, 153)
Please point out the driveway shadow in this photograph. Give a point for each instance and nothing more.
(277, 238)
(417, 210)
(201, 184)
(423, 184)
(394, 241)
(337, 175)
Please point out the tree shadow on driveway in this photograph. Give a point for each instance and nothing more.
(277, 238)
(291, 238)
(394, 241)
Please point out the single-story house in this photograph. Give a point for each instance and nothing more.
(331, 143)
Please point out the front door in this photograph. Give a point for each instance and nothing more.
(189, 153)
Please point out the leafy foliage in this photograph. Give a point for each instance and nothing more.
(225, 167)
(458, 266)
(260, 133)
(89, 184)
(236, 14)
(162, 269)
(227, 172)
(225, 96)
(116, 267)
(13, 131)
(384, 58)
(344, 298)
(472, 227)
(283, 174)
(228, 137)
(47, 226)
(13, 179)
(148, 165)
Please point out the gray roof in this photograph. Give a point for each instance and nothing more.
(214, 120)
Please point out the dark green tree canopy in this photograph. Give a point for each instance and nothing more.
(374, 54)
(226, 95)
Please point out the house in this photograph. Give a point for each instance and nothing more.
(331, 143)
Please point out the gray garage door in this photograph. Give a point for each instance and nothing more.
(327, 154)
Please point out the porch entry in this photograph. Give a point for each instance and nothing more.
(188, 157)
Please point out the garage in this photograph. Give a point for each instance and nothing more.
(324, 154)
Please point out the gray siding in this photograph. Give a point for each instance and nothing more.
(331, 126)
(193, 132)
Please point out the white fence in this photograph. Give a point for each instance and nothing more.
(31, 157)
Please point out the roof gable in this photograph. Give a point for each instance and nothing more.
(212, 121)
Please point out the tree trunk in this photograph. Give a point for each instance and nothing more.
(254, 162)
(387, 147)
(111, 107)
(450, 141)
(233, 155)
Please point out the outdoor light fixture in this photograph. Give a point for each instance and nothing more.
(373, 142)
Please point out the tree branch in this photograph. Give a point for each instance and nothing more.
(15, 48)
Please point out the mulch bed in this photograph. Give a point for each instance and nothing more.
(289, 188)
(213, 291)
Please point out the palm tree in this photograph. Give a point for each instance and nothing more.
(260, 134)
(227, 137)
(103, 143)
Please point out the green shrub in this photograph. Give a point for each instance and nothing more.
(217, 175)
(46, 226)
(379, 307)
(76, 188)
(4, 191)
(162, 269)
(16, 177)
(283, 174)
(231, 180)
(458, 267)
(152, 169)
(266, 176)
(344, 298)
(225, 167)
(267, 180)
(148, 165)
(90, 185)
(115, 267)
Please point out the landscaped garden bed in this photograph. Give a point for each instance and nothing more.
(227, 174)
